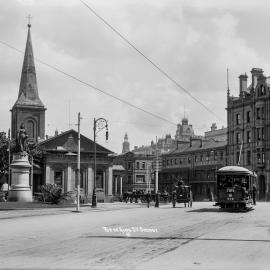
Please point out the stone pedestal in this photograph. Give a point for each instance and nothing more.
(20, 168)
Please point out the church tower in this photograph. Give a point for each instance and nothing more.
(28, 108)
(125, 148)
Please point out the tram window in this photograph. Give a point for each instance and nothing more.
(232, 181)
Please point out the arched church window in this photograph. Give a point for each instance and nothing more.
(30, 128)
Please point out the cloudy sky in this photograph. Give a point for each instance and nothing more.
(193, 41)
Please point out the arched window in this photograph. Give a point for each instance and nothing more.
(261, 91)
(30, 129)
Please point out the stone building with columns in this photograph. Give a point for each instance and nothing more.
(60, 165)
(248, 116)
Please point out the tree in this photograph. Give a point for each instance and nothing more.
(3, 154)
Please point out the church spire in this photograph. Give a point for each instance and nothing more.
(28, 91)
(28, 108)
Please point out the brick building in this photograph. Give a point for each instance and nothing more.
(248, 117)
(139, 171)
(196, 162)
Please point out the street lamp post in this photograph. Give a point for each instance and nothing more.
(9, 178)
(78, 164)
(99, 124)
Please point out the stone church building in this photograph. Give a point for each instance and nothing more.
(60, 159)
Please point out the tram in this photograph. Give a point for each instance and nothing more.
(235, 188)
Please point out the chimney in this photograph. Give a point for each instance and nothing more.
(214, 127)
(256, 73)
(242, 84)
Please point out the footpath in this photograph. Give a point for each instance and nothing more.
(10, 210)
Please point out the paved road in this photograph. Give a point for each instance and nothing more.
(138, 238)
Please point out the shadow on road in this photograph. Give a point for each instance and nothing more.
(174, 238)
(212, 210)
(202, 210)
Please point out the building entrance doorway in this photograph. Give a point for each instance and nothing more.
(262, 187)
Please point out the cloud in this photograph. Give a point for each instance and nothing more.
(193, 41)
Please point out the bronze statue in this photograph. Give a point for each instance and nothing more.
(21, 139)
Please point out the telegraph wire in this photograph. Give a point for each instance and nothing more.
(150, 61)
(92, 86)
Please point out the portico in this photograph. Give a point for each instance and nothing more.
(61, 165)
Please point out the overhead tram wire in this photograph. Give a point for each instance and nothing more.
(92, 86)
(150, 61)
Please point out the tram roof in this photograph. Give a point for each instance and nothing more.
(235, 170)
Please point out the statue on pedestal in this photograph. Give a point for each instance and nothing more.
(21, 139)
(20, 190)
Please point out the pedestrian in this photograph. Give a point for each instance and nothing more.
(148, 199)
(136, 196)
(254, 193)
(157, 198)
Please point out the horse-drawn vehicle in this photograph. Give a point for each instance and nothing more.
(182, 194)
(235, 187)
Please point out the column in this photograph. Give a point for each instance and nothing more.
(64, 181)
(73, 179)
(52, 176)
(121, 185)
(104, 183)
(110, 177)
(115, 185)
(90, 180)
(69, 187)
(49, 179)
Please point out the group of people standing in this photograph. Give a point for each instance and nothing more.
(149, 197)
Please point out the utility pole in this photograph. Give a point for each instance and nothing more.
(78, 164)
(94, 197)
(156, 184)
(32, 172)
(239, 159)
(9, 178)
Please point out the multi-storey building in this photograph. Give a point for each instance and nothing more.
(183, 133)
(216, 134)
(139, 171)
(248, 117)
(196, 162)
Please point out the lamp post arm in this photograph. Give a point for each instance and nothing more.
(97, 127)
